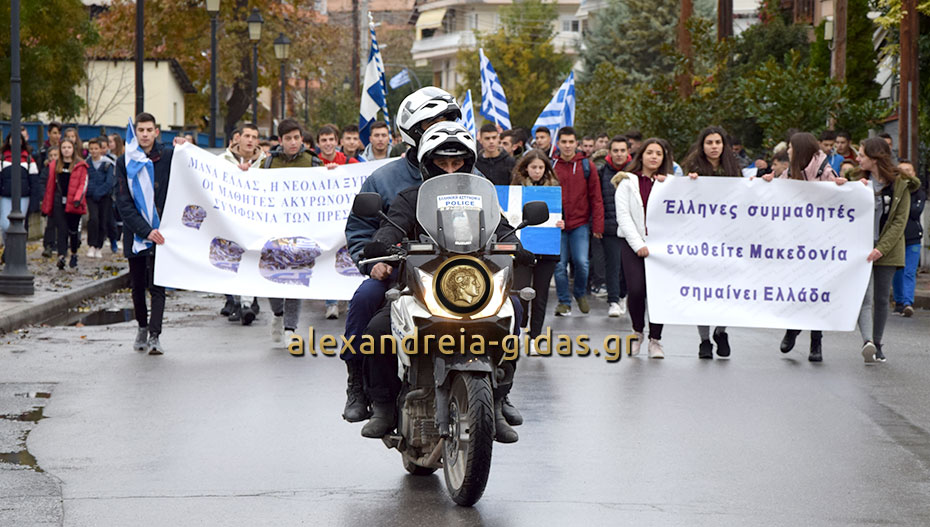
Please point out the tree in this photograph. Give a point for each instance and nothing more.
(54, 35)
(861, 58)
(180, 29)
(523, 55)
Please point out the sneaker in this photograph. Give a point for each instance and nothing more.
(236, 314)
(332, 312)
(816, 354)
(92, 252)
(141, 342)
(155, 346)
(72, 263)
(563, 310)
(99, 252)
(613, 310)
(114, 248)
(294, 343)
(248, 314)
(635, 344)
(879, 355)
(868, 352)
(47, 252)
(622, 305)
(655, 349)
(583, 304)
(908, 311)
(705, 350)
(277, 328)
(898, 309)
(600, 292)
(61, 263)
(723, 343)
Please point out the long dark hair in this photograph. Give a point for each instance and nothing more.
(120, 145)
(23, 144)
(521, 175)
(697, 161)
(636, 166)
(804, 146)
(878, 150)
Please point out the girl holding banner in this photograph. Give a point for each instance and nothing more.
(652, 163)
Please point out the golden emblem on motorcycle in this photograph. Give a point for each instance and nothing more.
(463, 285)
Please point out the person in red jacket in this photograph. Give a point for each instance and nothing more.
(583, 214)
(66, 199)
(327, 141)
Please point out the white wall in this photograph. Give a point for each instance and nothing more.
(111, 98)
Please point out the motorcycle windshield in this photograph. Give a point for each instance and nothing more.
(458, 211)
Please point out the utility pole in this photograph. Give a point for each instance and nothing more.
(909, 85)
(840, 15)
(724, 19)
(684, 46)
(357, 42)
(140, 55)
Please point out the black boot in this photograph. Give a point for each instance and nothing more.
(356, 401)
(72, 263)
(706, 350)
(503, 433)
(236, 314)
(723, 343)
(249, 313)
(511, 414)
(381, 422)
(787, 343)
(228, 308)
(816, 349)
(61, 262)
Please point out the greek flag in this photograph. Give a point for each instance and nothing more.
(541, 239)
(493, 101)
(400, 79)
(560, 111)
(373, 89)
(140, 174)
(468, 115)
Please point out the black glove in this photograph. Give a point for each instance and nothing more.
(376, 249)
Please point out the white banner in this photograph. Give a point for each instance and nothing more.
(780, 254)
(269, 233)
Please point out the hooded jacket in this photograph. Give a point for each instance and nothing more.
(100, 181)
(631, 212)
(914, 231)
(369, 153)
(608, 189)
(77, 188)
(891, 241)
(581, 198)
(232, 155)
(28, 174)
(499, 170)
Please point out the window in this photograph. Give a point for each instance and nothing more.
(571, 25)
(471, 21)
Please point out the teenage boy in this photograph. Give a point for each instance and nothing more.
(379, 142)
(493, 162)
(583, 214)
(327, 142)
(350, 144)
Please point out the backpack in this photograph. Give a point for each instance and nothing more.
(823, 167)
(586, 167)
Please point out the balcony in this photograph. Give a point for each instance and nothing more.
(442, 45)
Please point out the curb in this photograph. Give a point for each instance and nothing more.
(40, 312)
(922, 301)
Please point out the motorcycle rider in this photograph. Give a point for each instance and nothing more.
(445, 148)
(420, 110)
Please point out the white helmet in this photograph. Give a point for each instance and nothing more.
(422, 105)
(446, 139)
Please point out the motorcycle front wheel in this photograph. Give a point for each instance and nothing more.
(466, 456)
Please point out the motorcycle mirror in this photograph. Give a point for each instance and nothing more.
(535, 213)
(368, 204)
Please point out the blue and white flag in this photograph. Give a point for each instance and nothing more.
(560, 112)
(468, 115)
(493, 101)
(539, 239)
(140, 175)
(400, 79)
(374, 98)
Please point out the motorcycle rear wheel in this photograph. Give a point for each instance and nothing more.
(466, 455)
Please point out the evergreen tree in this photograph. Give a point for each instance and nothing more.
(861, 57)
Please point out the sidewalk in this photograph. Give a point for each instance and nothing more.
(57, 290)
(922, 292)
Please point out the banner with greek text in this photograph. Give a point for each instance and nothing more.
(781, 254)
(540, 239)
(269, 233)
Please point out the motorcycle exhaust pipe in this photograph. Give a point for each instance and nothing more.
(436, 453)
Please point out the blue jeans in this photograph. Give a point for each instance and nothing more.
(364, 304)
(575, 248)
(6, 206)
(905, 280)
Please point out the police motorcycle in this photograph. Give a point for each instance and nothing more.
(454, 287)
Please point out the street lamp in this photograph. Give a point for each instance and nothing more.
(213, 7)
(15, 279)
(255, 21)
(282, 49)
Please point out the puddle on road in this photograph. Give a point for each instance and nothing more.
(103, 317)
(36, 414)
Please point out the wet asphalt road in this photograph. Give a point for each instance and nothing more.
(227, 430)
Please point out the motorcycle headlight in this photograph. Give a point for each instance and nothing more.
(463, 285)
